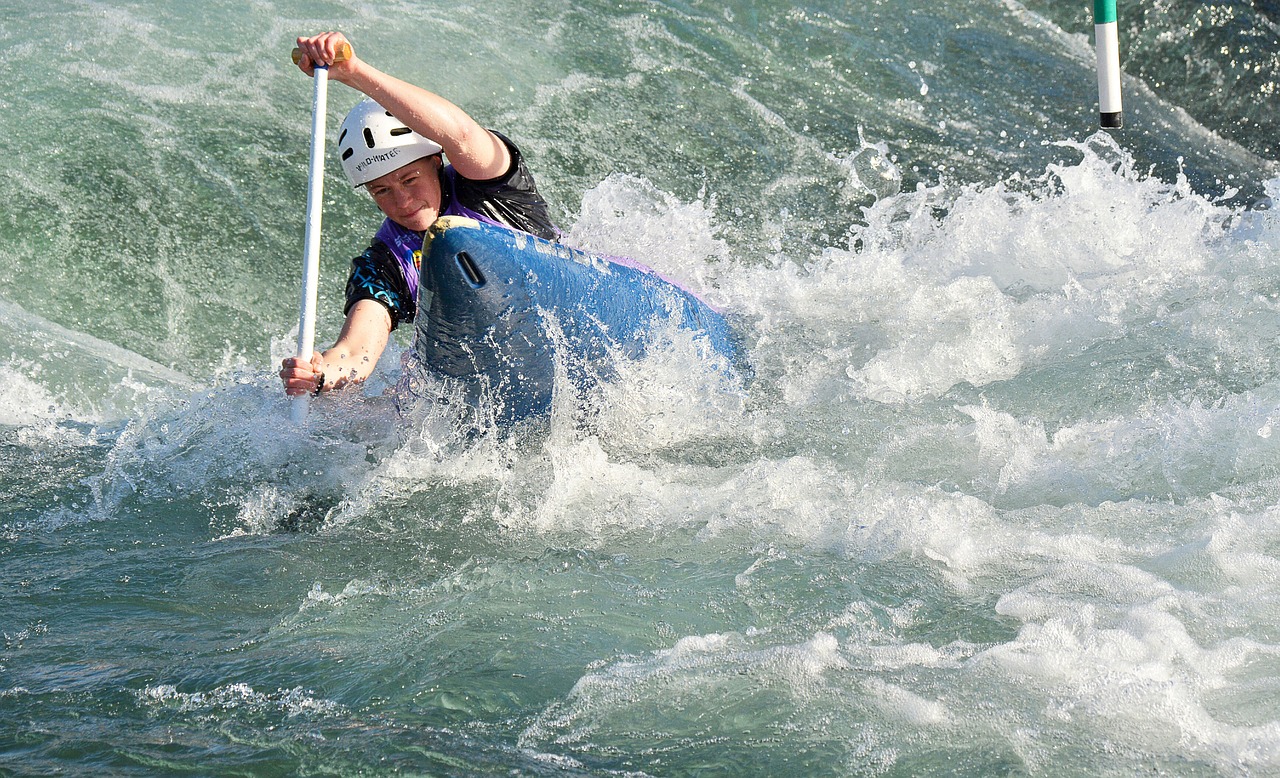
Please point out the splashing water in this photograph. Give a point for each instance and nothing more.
(996, 495)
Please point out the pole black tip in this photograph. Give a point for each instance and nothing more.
(1111, 121)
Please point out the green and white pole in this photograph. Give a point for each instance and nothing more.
(1106, 32)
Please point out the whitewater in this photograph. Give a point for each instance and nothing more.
(997, 491)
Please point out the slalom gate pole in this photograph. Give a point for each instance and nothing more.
(1106, 33)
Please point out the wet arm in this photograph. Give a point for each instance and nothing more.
(350, 360)
(360, 344)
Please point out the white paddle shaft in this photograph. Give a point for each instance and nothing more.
(311, 243)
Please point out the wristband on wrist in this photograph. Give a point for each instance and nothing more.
(319, 385)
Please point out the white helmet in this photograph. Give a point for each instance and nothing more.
(373, 143)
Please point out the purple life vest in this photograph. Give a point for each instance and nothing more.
(406, 244)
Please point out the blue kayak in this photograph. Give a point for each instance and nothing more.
(499, 309)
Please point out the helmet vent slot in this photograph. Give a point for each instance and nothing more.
(400, 131)
(343, 136)
(346, 154)
(368, 137)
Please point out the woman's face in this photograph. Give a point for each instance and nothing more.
(410, 196)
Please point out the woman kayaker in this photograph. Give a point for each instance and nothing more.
(391, 144)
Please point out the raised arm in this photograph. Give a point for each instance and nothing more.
(473, 151)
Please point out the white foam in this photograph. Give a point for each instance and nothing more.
(626, 216)
(660, 689)
(353, 590)
(1016, 275)
(1164, 448)
(1139, 678)
(899, 703)
(26, 403)
(291, 703)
